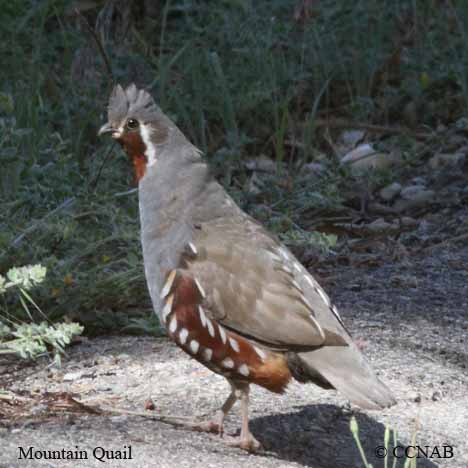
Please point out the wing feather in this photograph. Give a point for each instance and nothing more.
(252, 287)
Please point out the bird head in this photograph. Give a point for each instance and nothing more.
(139, 125)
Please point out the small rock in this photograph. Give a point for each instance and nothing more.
(411, 191)
(414, 396)
(39, 409)
(406, 281)
(411, 114)
(418, 181)
(379, 226)
(149, 405)
(365, 157)
(463, 149)
(352, 137)
(255, 185)
(444, 160)
(262, 163)
(414, 196)
(436, 396)
(314, 168)
(454, 142)
(407, 222)
(389, 192)
(119, 419)
(462, 123)
(70, 376)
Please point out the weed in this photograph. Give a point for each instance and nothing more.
(30, 340)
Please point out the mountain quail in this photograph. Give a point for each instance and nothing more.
(228, 292)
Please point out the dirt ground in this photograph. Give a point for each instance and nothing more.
(410, 317)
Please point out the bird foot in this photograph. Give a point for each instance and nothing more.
(212, 427)
(246, 442)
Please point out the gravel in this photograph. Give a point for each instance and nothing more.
(410, 318)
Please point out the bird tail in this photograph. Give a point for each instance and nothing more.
(346, 370)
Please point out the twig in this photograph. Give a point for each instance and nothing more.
(445, 242)
(63, 401)
(65, 204)
(93, 184)
(339, 123)
(173, 421)
(98, 42)
(13, 398)
(126, 193)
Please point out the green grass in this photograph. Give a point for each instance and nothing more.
(240, 78)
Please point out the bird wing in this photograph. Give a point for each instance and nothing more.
(254, 286)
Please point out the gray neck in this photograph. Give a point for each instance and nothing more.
(176, 194)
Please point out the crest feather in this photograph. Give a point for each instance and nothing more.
(133, 102)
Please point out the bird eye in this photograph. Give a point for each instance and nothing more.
(132, 124)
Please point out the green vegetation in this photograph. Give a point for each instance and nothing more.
(241, 79)
(30, 340)
(389, 447)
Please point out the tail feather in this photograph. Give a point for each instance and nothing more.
(348, 371)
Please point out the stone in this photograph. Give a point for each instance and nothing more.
(414, 396)
(313, 168)
(71, 376)
(352, 137)
(412, 191)
(262, 164)
(414, 196)
(255, 185)
(365, 157)
(390, 192)
(379, 226)
(447, 160)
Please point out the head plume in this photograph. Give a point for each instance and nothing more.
(145, 132)
(131, 101)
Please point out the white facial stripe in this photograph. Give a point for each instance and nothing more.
(150, 153)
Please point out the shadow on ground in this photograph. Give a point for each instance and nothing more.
(319, 435)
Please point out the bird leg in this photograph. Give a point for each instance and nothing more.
(216, 424)
(246, 440)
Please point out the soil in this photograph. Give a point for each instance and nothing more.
(409, 316)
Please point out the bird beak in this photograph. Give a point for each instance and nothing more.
(106, 128)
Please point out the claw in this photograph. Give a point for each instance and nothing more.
(246, 442)
(212, 427)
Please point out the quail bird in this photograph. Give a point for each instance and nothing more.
(228, 292)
